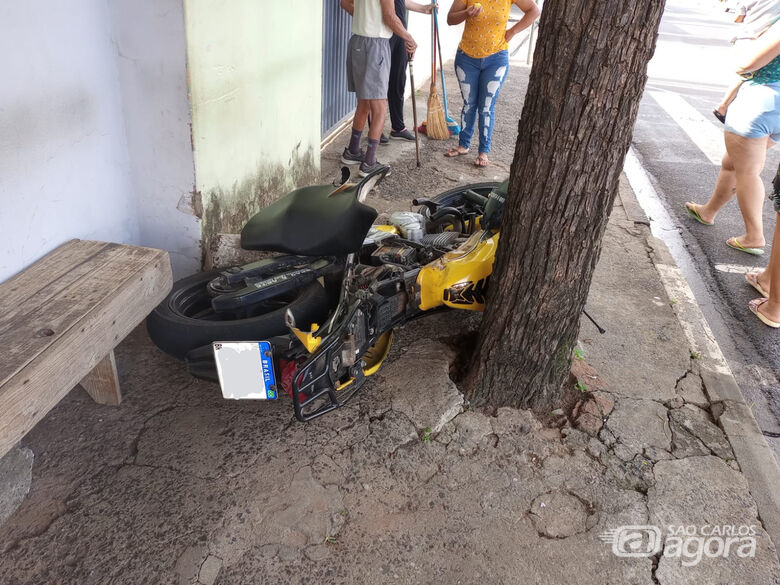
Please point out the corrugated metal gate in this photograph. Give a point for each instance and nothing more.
(337, 102)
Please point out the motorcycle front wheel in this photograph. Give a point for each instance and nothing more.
(185, 320)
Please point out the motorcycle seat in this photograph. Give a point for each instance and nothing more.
(319, 220)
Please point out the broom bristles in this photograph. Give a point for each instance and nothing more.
(437, 121)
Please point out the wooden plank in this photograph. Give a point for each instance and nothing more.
(40, 384)
(68, 281)
(46, 271)
(102, 383)
(32, 327)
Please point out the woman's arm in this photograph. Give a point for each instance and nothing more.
(422, 8)
(530, 13)
(460, 12)
(763, 50)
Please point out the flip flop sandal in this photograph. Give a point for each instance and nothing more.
(721, 118)
(453, 152)
(693, 211)
(481, 166)
(752, 280)
(754, 305)
(734, 243)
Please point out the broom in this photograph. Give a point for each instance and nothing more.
(436, 122)
(452, 125)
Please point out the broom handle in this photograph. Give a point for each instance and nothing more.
(414, 111)
(441, 62)
(433, 47)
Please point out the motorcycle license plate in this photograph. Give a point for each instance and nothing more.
(246, 369)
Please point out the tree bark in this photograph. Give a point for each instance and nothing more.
(583, 96)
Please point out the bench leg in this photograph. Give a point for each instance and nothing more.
(102, 383)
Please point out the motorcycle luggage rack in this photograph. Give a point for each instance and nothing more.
(307, 384)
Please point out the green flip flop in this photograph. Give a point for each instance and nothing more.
(734, 243)
(694, 213)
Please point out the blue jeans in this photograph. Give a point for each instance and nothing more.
(480, 83)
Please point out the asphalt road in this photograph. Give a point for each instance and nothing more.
(679, 143)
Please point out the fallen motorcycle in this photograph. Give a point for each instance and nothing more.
(319, 319)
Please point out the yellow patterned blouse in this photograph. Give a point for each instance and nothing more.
(484, 34)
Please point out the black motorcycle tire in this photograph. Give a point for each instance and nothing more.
(176, 333)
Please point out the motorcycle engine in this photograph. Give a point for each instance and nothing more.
(410, 224)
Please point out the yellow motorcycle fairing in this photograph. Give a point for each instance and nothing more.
(310, 340)
(459, 278)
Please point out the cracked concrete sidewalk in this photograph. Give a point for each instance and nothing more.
(406, 484)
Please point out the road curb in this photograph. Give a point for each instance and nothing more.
(754, 456)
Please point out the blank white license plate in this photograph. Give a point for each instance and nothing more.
(246, 369)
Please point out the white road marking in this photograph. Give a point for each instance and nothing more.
(734, 268)
(687, 309)
(704, 134)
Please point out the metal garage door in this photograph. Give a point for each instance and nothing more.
(337, 102)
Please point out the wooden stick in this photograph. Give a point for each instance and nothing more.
(414, 112)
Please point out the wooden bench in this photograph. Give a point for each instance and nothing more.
(60, 320)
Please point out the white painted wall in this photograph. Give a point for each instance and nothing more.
(64, 168)
(150, 50)
(94, 128)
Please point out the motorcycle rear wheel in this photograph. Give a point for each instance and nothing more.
(184, 320)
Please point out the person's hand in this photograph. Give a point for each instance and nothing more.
(473, 11)
(411, 47)
(428, 8)
(509, 34)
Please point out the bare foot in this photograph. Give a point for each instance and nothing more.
(770, 310)
(770, 314)
(459, 151)
(744, 242)
(482, 160)
(700, 213)
(759, 281)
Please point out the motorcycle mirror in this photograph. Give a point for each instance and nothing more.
(344, 177)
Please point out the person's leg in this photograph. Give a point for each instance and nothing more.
(373, 87)
(771, 308)
(491, 79)
(378, 108)
(467, 72)
(397, 85)
(768, 278)
(725, 189)
(355, 72)
(748, 156)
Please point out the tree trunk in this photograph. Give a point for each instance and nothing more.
(583, 96)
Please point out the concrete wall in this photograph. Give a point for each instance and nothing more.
(255, 75)
(150, 52)
(64, 166)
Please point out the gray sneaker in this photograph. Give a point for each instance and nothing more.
(402, 135)
(351, 159)
(383, 139)
(366, 170)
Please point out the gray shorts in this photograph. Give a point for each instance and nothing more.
(368, 67)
